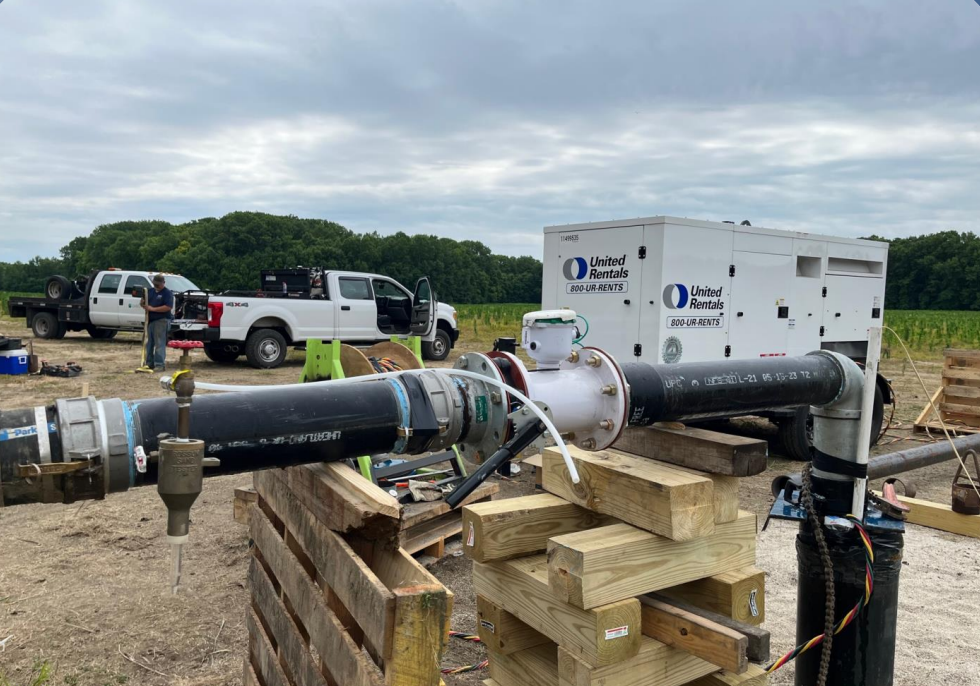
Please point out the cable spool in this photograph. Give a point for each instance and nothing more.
(391, 357)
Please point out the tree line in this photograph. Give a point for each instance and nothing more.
(228, 253)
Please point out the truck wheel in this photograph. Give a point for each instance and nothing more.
(265, 349)
(795, 432)
(57, 288)
(438, 348)
(101, 334)
(222, 353)
(46, 325)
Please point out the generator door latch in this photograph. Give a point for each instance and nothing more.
(642, 252)
(876, 313)
(728, 351)
(824, 292)
(637, 349)
(821, 330)
(731, 270)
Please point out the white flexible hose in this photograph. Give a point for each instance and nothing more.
(538, 412)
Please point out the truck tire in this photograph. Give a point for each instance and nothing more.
(100, 334)
(265, 349)
(45, 325)
(437, 349)
(222, 353)
(795, 431)
(58, 288)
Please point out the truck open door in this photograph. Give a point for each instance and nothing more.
(423, 308)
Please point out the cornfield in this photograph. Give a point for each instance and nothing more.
(481, 324)
(7, 295)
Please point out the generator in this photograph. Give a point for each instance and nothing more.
(669, 290)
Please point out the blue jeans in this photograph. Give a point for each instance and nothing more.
(156, 343)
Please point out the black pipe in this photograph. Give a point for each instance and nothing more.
(279, 428)
(701, 390)
(922, 456)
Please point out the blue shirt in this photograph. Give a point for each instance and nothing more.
(156, 298)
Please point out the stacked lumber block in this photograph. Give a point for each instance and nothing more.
(335, 600)
(640, 575)
(958, 398)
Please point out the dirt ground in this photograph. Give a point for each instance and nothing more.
(84, 597)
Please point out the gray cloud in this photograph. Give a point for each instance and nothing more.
(488, 120)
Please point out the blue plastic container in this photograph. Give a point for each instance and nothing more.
(13, 362)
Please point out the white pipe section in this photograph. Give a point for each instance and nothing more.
(867, 413)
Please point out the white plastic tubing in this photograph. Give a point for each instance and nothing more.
(572, 471)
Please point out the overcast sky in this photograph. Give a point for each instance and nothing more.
(488, 119)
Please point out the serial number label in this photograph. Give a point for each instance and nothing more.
(580, 288)
(695, 322)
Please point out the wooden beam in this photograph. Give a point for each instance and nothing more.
(537, 665)
(758, 638)
(502, 632)
(421, 629)
(600, 636)
(701, 449)
(696, 635)
(939, 516)
(263, 657)
(610, 563)
(245, 499)
(655, 664)
(736, 593)
(356, 586)
(753, 676)
(927, 412)
(515, 527)
(641, 492)
(348, 664)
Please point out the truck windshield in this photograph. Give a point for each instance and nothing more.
(179, 284)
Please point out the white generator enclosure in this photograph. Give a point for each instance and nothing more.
(665, 289)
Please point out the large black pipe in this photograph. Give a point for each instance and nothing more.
(922, 456)
(701, 390)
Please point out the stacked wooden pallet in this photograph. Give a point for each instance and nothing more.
(640, 575)
(958, 398)
(335, 600)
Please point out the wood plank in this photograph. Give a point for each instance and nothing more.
(962, 352)
(758, 638)
(292, 646)
(342, 500)
(701, 449)
(636, 490)
(601, 636)
(245, 499)
(515, 527)
(940, 516)
(502, 632)
(537, 665)
(264, 658)
(610, 563)
(927, 412)
(414, 514)
(348, 665)
(958, 408)
(357, 587)
(696, 635)
(431, 532)
(952, 418)
(421, 630)
(736, 593)
(961, 373)
(753, 676)
(249, 678)
(655, 664)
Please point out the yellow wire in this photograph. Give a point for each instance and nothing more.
(934, 409)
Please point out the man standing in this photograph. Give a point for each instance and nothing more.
(159, 304)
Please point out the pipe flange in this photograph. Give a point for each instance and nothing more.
(488, 427)
(611, 397)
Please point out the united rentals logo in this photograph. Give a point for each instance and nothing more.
(708, 301)
(605, 274)
(575, 268)
(675, 296)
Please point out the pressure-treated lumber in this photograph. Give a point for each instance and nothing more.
(347, 663)
(696, 635)
(516, 527)
(537, 665)
(502, 632)
(707, 451)
(357, 587)
(610, 563)
(656, 664)
(753, 676)
(245, 499)
(641, 492)
(939, 516)
(600, 636)
(757, 649)
(736, 593)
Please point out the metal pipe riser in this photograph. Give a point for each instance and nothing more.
(703, 390)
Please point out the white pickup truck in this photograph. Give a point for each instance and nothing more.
(101, 303)
(353, 307)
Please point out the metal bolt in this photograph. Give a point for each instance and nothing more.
(495, 398)
(606, 424)
(589, 444)
(524, 411)
(610, 390)
(573, 358)
(594, 361)
(463, 363)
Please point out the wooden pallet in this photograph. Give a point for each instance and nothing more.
(585, 613)
(335, 600)
(957, 399)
